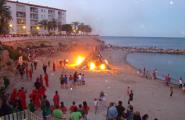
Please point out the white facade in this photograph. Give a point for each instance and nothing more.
(26, 18)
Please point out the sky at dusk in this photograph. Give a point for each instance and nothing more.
(157, 18)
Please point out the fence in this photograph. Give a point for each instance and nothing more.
(23, 115)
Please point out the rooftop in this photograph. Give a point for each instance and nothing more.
(29, 4)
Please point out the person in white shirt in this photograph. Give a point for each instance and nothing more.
(180, 83)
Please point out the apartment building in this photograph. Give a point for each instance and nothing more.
(28, 18)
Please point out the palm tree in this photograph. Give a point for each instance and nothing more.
(5, 17)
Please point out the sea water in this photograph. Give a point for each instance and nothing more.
(164, 63)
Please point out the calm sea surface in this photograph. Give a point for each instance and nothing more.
(173, 64)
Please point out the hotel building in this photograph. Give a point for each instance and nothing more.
(26, 18)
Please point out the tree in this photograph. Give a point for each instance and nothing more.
(81, 28)
(5, 17)
(84, 28)
(44, 24)
(52, 25)
(75, 25)
(67, 28)
(88, 29)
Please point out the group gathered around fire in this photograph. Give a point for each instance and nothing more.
(16, 101)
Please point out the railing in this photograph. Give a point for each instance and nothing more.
(23, 115)
(9, 39)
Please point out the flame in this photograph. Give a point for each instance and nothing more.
(106, 61)
(80, 60)
(102, 67)
(92, 66)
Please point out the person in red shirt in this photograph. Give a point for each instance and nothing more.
(56, 99)
(54, 67)
(37, 99)
(13, 96)
(63, 108)
(41, 91)
(85, 108)
(46, 80)
(22, 97)
(73, 107)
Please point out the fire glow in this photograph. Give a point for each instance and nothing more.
(81, 62)
(78, 61)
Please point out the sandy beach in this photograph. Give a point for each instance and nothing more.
(150, 96)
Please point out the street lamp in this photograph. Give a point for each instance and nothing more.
(24, 27)
(10, 25)
(38, 28)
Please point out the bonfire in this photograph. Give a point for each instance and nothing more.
(93, 62)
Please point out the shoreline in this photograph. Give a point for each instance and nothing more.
(135, 69)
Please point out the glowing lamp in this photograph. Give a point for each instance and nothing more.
(24, 27)
(38, 28)
(10, 25)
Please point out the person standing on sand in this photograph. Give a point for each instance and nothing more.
(171, 91)
(56, 99)
(167, 79)
(54, 67)
(131, 95)
(46, 79)
(44, 67)
(35, 65)
(112, 112)
(128, 90)
(180, 83)
(30, 74)
(31, 66)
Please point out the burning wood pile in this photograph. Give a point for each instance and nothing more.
(93, 62)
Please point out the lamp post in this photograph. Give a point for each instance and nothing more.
(10, 28)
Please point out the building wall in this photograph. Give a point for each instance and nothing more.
(13, 22)
(26, 17)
